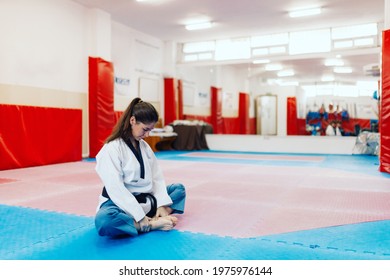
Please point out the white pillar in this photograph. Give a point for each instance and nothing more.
(170, 57)
(387, 15)
(99, 34)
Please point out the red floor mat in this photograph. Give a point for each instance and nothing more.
(226, 199)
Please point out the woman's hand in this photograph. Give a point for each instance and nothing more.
(144, 224)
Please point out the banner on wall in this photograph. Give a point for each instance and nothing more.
(122, 86)
(204, 99)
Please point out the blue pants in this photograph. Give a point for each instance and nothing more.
(112, 221)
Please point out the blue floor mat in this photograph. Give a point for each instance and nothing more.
(30, 234)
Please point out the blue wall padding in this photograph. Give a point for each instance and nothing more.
(29, 234)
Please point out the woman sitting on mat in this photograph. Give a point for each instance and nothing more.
(135, 198)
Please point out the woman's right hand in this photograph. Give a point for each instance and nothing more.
(144, 224)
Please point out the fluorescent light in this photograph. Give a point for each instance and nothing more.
(273, 67)
(342, 70)
(327, 78)
(289, 83)
(286, 73)
(333, 62)
(261, 61)
(197, 26)
(305, 12)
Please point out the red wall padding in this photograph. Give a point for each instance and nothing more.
(101, 103)
(230, 126)
(171, 102)
(216, 110)
(243, 113)
(384, 117)
(32, 136)
(292, 119)
(180, 99)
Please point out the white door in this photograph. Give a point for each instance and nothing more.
(266, 114)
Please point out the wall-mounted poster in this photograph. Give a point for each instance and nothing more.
(122, 86)
(148, 89)
(204, 99)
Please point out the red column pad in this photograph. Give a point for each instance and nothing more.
(384, 117)
(243, 113)
(101, 103)
(292, 123)
(32, 136)
(216, 110)
(180, 99)
(170, 101)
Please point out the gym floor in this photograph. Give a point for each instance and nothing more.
(240, 206)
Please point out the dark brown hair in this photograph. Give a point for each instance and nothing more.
(143, 112)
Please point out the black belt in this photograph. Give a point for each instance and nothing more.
(141, 198)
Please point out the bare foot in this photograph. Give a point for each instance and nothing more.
(173, 219)
(163, 223)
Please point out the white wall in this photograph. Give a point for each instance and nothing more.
(44, 55)
(43, 44)
(44, 52)
(137, 58)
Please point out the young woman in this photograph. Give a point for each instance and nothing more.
(135, 198)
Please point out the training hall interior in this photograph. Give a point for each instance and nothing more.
(274, 115)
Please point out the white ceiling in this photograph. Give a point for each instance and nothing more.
(165, 19)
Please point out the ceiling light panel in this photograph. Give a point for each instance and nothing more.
(342, 70)
(286, 73)
(305, 12)
(273, 67)
(198, 26)
(334, 62)
(261, 61)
